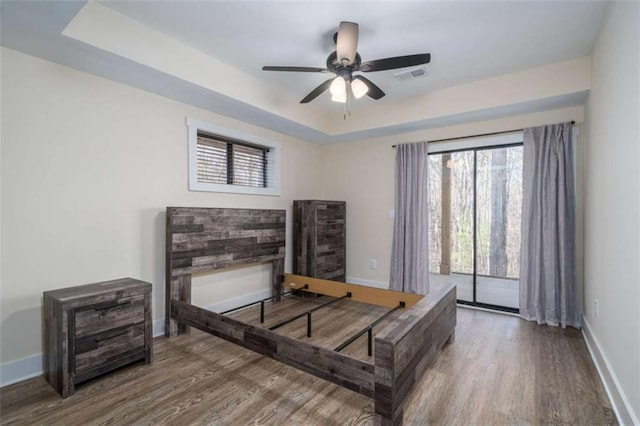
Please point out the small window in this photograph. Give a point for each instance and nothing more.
(223, 160)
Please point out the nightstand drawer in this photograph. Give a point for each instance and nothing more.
(98, 349)
(109, 315)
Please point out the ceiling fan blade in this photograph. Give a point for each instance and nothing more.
(374, 91)
(347, 42)
(397, 62)
(295, 69)
(317, 91)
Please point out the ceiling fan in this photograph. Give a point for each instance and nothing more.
(345, 61)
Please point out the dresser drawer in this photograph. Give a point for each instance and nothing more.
(103, 348)
(109, 315)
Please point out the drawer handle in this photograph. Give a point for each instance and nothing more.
(111, 335)
(109, 305)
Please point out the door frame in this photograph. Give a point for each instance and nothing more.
(475, 150)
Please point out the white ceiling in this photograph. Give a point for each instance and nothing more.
(468, 41)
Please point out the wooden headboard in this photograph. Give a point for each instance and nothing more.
(205, 239)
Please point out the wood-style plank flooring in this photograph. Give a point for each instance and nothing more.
(499, 370)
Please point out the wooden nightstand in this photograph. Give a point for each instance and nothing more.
(95, 328)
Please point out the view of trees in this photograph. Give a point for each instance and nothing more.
(498, 192)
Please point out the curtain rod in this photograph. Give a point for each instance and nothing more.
(478, 136)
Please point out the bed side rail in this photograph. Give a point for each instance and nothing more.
(326, 364)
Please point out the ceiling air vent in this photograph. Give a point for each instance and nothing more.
(412, 74)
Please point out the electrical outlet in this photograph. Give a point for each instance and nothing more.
(373, 264)
(392, 214)
(596, 308)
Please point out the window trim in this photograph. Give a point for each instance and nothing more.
(273, 168)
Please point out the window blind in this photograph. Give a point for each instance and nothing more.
(224, 161)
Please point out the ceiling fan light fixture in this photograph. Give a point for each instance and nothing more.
(358, 88)
(338, 87)
(341, 97)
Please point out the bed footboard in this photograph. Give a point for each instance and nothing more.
(406, 347)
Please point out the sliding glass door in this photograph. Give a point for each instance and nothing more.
(474, 222)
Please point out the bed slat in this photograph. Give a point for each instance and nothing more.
(359, 293)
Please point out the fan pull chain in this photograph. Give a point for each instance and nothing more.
(347, 105)
(344, 107)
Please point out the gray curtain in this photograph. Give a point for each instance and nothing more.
(409, 255)
(548, 290)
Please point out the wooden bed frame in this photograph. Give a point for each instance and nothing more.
(205, 239)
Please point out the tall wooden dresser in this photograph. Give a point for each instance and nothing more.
(95, 328)
(319, 239)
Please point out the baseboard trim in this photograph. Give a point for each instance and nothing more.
(158, 325)
(368, 283)
(32, 366)
(621, 406)
(21, 369)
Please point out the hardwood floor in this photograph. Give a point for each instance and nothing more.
(499, 370)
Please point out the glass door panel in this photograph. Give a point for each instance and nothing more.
(499, 209)
(451, 187)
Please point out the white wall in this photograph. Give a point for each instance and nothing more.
(88, 168)
(504, 91)
(612, 191)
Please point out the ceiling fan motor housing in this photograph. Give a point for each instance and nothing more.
(344, 71)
